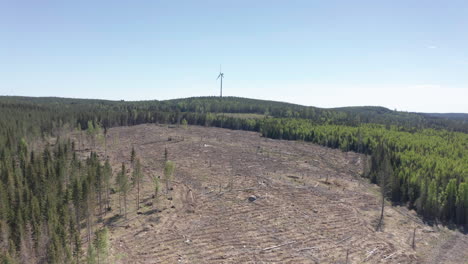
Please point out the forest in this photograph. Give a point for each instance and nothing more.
(47, 194)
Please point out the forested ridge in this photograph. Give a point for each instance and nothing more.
(47, 195)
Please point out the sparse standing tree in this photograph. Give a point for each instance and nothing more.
(107, 175)
(157, 188)
(168, 172)
(385, 174)
(91, 257)
(90, 131)
(105, 142)
(91, 204)
(101, 243)
(80, 143)
(365, 166)
(122, 182)
(132, 156)
(137, 176)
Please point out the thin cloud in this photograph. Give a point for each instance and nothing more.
(432, 47)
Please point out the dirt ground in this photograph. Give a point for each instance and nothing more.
(310, 204)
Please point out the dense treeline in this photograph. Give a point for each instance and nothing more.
(45, 198)
(430, 167)
(111, 113)
(47, 195)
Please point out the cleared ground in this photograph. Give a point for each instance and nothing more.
(311, 206)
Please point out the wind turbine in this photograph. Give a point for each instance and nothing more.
(221, 75)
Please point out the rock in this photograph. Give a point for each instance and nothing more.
(252, 198)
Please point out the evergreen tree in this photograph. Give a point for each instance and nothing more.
(91, 256)
(101, 243)
(107, 175)
(168, 173)
(157, 189)
(137, 177)
(123, 186)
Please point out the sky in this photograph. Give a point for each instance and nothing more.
(404, 55)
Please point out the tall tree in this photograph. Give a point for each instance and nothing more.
(107, 175)
(137, 177)
(122, 183)
(101, 243)
(169, 168)
(384, 177)
(132, 156)
(156, 188)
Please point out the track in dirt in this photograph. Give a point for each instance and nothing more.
(311, 206)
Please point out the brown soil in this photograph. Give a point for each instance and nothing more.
(311, 205)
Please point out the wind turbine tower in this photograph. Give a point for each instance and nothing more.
(221, 75)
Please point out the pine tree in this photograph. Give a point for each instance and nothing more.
(132, 156)
(101, 243)
(451, 198)
(168, 173)
(384, 177)
(123, 186)
(157, 188)
(137, 177)
(107, 175)
(462, 204)
(91, 257)
(90, 131)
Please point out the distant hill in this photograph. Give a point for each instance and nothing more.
(454, 116)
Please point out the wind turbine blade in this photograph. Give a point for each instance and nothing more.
(218, 76)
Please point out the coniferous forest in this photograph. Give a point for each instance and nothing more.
(48, 195)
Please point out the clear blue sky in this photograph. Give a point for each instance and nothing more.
(408, 55)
